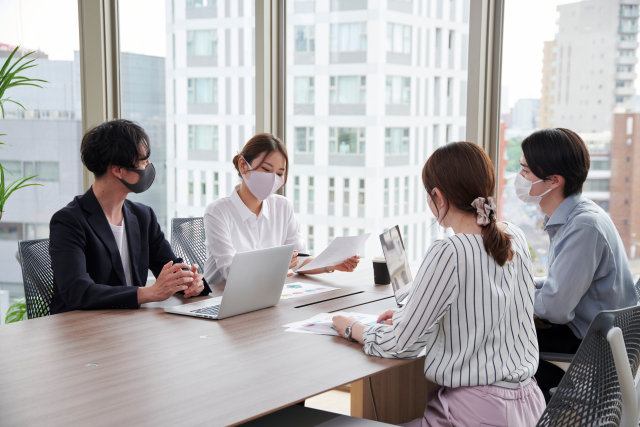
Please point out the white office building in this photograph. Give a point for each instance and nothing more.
(595, 63)
(372, 88)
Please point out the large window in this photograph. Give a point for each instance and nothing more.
(378, 105)
(571, 65)
(187, 75)
(44, 138)
(187, 72)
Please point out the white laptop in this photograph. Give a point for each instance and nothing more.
(397, 263)
(256, 280)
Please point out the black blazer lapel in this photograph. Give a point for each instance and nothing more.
(98, 222)
(132, 228)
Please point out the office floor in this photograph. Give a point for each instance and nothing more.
(338, 401)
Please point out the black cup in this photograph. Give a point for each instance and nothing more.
(381, 273)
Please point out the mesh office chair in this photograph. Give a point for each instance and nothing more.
(37, 276)
(187, 241)
(598, 388)
(565, 358)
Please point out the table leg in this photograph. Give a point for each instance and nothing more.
(400, 394)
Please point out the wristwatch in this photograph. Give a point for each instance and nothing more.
(347, 332)
(327, 271)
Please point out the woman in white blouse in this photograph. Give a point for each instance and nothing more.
(252, 217)
(471, 305)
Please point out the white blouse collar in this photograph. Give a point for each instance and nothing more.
(243, 210)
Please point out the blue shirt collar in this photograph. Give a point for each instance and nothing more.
(562, 212)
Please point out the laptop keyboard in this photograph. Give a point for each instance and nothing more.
(208, 311)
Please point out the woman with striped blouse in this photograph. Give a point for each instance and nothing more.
(470, 307)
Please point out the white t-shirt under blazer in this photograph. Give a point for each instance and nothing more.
(231, 227)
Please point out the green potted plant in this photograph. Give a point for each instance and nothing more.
(10, 76)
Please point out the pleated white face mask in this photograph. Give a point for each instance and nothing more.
(523, 188)
(262, 184)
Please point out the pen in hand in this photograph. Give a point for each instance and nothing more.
(303, 255)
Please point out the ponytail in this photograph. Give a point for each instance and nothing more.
(464, 174)
(497, 243)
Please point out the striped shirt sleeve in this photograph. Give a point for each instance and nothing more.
(433, 290)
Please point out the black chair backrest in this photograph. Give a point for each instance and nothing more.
(187, 241)
(638, 288)
(37, 276)
(589, 393)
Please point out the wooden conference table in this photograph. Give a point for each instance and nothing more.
(155, 368)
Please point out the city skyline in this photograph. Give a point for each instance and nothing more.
(141, 33)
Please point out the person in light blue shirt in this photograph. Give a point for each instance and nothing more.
(585, 251)
(588, 267)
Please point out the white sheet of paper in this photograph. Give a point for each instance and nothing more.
(320, 324)
(299, 289)
(341, 249)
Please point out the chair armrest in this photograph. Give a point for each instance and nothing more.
(556, 357)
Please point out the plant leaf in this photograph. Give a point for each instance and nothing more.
(15, 102)
(14, 186)
(9, 76)
(6, 64)
(17, 311)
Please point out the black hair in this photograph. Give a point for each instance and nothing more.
(115, 142)
(558, 152)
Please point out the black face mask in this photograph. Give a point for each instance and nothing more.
(147, 175)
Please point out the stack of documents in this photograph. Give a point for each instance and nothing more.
(321, 324)
(300, 289)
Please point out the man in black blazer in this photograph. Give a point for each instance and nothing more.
(102, 244)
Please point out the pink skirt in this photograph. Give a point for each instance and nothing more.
(482, 406)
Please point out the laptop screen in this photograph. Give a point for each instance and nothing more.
(397, 262)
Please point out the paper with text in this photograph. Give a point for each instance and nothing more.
(321, 324)
(341, 249)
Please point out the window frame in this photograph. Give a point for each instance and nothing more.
(334, 37)
(334, 90)
(213, 41)
(334, 138)
(100, 71)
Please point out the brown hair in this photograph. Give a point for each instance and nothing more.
(262, 143)
(462, 171)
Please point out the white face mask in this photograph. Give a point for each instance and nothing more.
(262, 184)
(523, 188)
